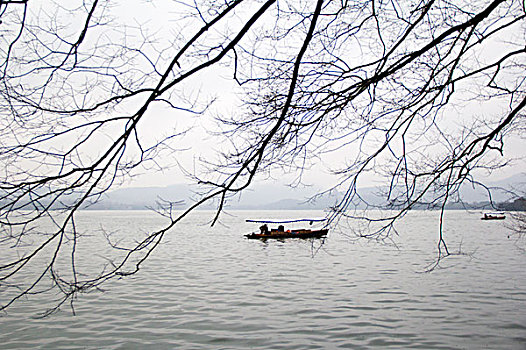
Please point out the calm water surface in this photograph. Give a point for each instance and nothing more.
(210, 288)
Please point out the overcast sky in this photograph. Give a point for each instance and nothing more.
(163, 20)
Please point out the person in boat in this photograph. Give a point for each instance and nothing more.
(264, 229)
(281, 228)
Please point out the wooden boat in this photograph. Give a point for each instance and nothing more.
(281, 233)
(493, 216)
(302, 233)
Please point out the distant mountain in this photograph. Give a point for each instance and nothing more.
(501, 191)
(266, 196)
(472, 195)
(275, 196)
(518, 204)
(136, 198)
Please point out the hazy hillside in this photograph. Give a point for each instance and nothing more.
(143, 197)
(500, 190)
(271, 196)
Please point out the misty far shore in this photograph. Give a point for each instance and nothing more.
(281, 197)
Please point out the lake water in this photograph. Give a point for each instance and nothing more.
(210, 288)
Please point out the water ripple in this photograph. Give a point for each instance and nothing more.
(217, 290)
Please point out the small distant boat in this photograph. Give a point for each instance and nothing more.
(281, 233)
(493, 216)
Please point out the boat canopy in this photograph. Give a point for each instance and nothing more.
(286, 221)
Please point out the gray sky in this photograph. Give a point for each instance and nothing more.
(217, 84)
(163, 23)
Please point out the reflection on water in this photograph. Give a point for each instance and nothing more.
(210, 288)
